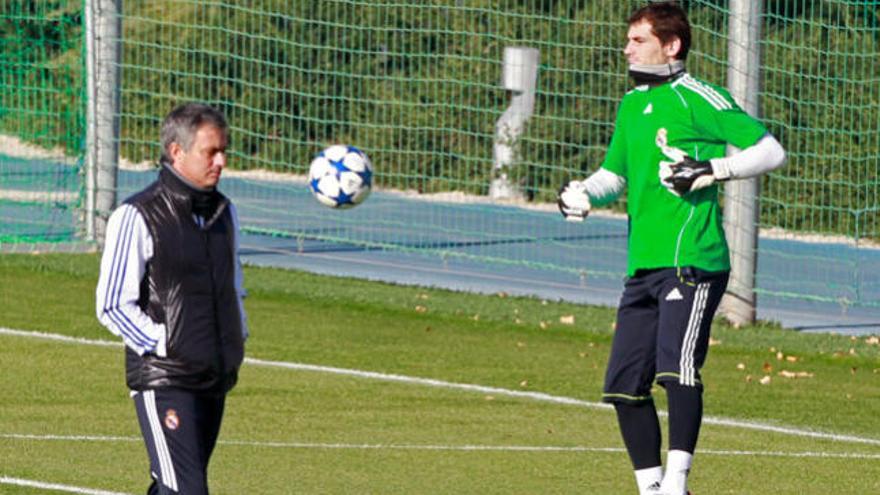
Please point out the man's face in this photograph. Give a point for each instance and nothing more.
(643, 47)
(203, 163)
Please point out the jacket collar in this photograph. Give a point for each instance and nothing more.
(207, 203)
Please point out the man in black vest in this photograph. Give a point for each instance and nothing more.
(171, 288)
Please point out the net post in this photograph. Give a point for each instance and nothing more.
(103, 60)
(519, 76)
(741, 207)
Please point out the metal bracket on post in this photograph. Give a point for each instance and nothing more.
(519, 76)
(741, 213)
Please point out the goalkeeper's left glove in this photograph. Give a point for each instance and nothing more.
(689, 175)
(573, 201)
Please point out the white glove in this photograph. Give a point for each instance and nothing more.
(573, 201)
(674, 155)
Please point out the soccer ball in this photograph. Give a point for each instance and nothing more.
(341, 176)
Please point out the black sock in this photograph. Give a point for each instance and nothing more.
(640, 429)
(685, 416)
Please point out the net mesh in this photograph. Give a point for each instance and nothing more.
(41, 124)
(416, 85)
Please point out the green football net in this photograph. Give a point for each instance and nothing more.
(416, 85)
(41, 125)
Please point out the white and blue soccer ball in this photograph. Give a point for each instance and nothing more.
(341, 176)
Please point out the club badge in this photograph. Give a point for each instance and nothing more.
(172, 421)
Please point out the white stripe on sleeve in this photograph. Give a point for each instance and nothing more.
(127, 249)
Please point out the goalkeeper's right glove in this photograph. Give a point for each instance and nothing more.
(573, 201)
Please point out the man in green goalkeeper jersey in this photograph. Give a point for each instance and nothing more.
(668, 150)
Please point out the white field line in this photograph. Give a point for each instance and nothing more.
(538, 396)
(445, 448)
(4, 480)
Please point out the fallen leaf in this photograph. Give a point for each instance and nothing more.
(767, 367)
(423, 296)
(566, 319)
(792, 359)
(779, 356)
(475, 317)
(501, 294)
(748, 378)
(582, 354)
(765, 380)
(773, 350)
(489, 397)
(520, 344)
(421, 309)
(714, 341)
(517, 321)
(524, 383)
(543, 325)
(852, 351)
(873, 340)
(741, 366)
(795, 374)
(852, 371)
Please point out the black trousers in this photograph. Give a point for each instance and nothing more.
(663, 324)
(180, 431)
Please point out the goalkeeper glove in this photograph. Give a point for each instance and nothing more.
(689, 175)
(573, 201)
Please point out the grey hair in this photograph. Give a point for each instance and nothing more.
(181, 125)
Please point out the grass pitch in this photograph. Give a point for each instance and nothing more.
(66, 418)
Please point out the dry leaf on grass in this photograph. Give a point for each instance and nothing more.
(765, 380)
(741, 366)
(795, 374)
(566, 319)
(421, 309)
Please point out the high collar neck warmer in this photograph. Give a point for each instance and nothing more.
(654, 74)
(204, 201)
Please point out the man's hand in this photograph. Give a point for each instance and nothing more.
(573, 201)
(689, 175)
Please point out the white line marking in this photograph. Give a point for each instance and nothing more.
(717, 421)
(456, 448)
(4, 480)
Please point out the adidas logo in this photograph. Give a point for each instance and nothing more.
(674, 295)
(648, 109)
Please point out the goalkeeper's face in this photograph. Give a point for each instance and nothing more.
(205, 159)
(644, 47)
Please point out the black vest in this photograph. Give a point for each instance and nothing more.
(189, 286)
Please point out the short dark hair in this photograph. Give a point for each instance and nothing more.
(181, 125)
(668, 21)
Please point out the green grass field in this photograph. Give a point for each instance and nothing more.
(65, 415)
